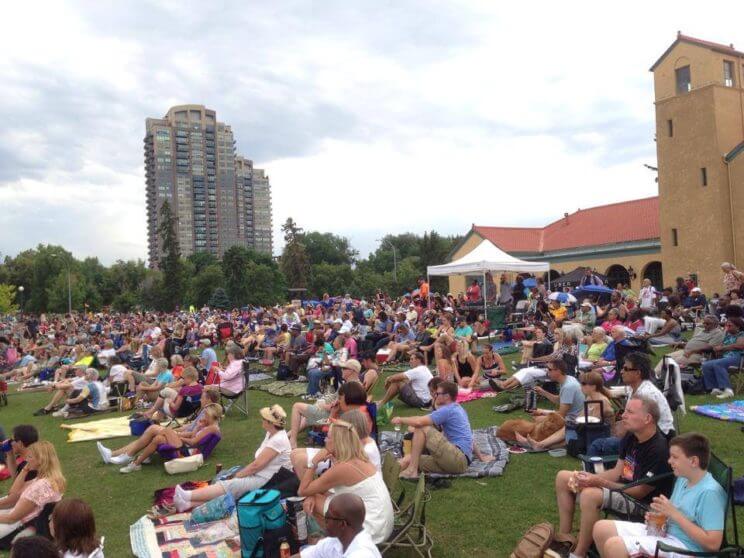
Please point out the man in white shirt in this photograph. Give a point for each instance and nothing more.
(346, 536)
(411, 386)
(106, 353)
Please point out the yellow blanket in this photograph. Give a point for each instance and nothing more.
(98, 429)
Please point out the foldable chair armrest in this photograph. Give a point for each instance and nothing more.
(663, 547)
(645, 480)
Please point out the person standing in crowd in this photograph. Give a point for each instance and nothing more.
(590, 278)
(733, 279)
(648, 295)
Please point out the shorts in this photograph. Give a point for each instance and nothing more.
(238, 487)
(441, 455)
(140, 377)
(638, 543)
(409, 396)
(617, 503)
(322, 466)
(530, 375)
(314, 415)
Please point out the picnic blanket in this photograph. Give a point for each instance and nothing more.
(173, 537)
(162, 502)
(463, 396)
(282, 389)
(259, 377)
(484, 438)
(733, 411)
(102, 429)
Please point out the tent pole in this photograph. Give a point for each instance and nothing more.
(485, 307)
(428, 298)
(548, 276)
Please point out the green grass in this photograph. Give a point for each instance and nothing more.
(472, 518)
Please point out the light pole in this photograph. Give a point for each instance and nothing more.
(69, 287)
(20, 290)
(382, 241)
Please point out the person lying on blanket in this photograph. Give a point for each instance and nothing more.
(692, 519)
(570, 401)
(448, 451)
(148, 443)
(271, 455)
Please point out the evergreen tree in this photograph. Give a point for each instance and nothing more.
(294, 264)
(219, 299)
(170, 262)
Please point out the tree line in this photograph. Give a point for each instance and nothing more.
(312, 260)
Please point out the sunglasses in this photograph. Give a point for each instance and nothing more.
(438, 393)
(626, 369)
(330, 517)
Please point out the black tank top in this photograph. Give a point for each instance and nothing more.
(464, 368)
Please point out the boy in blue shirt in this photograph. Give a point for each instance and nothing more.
(693, 516)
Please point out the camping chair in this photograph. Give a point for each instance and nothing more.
(729, 547)
(736, 374)
(516, 318)
(391, 477)
(410, 530)
(240, 400)
(372, 411)
(205, 447)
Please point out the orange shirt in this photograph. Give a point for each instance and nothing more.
(424, 290)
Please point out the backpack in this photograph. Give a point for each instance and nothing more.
(535, 542)
(283, 373)
(259, 514)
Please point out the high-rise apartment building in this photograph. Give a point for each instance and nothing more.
(190, 161)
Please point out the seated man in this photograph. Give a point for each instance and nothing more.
(570, 401)
(63, 389)
(83, 360)
(643, 452)
(636, 374)
(370, 372)
(298, 351)
(344, 523)
(715, 372)
(608, 359)
(402, 342)
(24, 435)
(86, 400)
(432, 451)
(150, 390)
(410, 386)
(179, 403)
(319, 366)
(704, 338)
(351, 396)
(694, 516)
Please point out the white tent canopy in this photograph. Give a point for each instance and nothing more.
(486, 257)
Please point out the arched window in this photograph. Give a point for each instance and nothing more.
(617, 274)
(652, 271)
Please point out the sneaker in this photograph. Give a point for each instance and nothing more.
(132, 467)
(122, 459)
(41, 412)
(715, 391)
(147, 461)
(104, 451)
(60, 413)
(726, 394)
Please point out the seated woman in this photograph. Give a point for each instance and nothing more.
(692, 519)
(538, 346)
(73, 527)
(565, 345)
(597, 345)
(668, 334)
(271, 455)
(464, 363)
(149, 383)
(147, 444)
(46, 488)
(593, 388)
(490, 365)
(612, 320)
(445, 367)
(351, 471)
(178, 403)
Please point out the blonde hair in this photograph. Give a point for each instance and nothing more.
(214, 411)
(346, 442)
(190, 373)
(357, 420)
(47, 464)
(176, 360)
(161, 363)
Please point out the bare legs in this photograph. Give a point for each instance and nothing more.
(590, 504)
(409, 465)
(298, 422)
(392, 390)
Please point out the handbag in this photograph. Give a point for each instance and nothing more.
(259, 512)
(184, 464)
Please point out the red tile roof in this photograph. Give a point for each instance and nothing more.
(607, 224)
(717, 47)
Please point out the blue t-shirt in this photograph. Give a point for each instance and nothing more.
(453, 420)
(571, 394)
(208, 356)
(465, 332)
(609, 352)
(165, 377)
(704, 504)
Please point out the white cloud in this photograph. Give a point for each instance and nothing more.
(369, 118)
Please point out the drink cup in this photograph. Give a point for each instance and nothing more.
(6, 446)
(655, 524)
(597, 464)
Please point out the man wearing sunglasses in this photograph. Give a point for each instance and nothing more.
(432, 451)
(346, 536)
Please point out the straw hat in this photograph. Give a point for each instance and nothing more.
(274, 414)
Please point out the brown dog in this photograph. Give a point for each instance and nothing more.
(538, 431)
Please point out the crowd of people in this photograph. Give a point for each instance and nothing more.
(171, 365)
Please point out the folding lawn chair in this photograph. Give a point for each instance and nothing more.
(391, 477)
(205, 447)
(240, 400)
(736, 374)
(410, 525)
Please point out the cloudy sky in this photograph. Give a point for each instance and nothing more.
(371, 117)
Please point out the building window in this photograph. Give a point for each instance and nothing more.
(675, 241)
(683, 79)
(704, 176)
(728, 73)
(670, 128)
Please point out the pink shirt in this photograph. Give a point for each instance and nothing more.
(40, 493)
(231, 378)
(351, 347)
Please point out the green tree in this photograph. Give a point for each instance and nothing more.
(204, 284)
(202, 260)
(328, 248)
(170, 262)
(219, 299)
(234, 264)
(330, 278)
(268, 285)
(7, 299)
(57, 293)
(294, 263)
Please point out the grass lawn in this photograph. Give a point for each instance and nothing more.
(472, 518)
